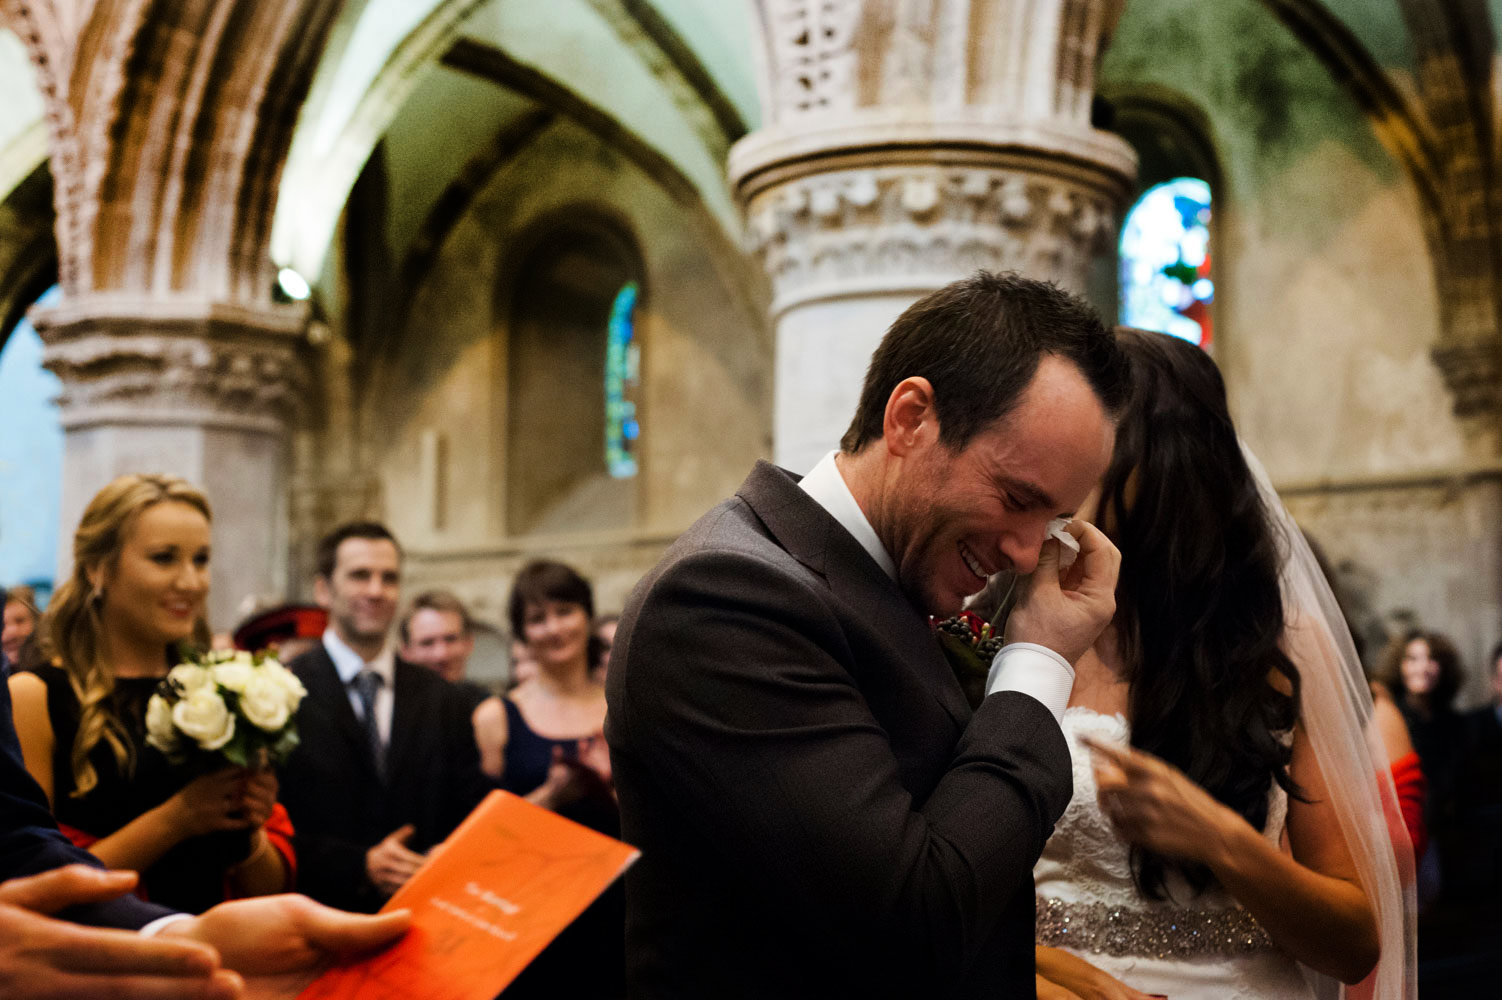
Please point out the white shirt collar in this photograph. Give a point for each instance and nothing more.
(827, 486)
(349, 663)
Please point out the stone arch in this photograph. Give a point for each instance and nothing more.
(1447, 142)
(28, 251)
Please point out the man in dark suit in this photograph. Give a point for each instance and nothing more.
(85, 954)
(387, 766)
(1474, 852)
(819, 812)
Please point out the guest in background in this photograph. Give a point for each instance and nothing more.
(137, 589)
(438, 633)
(290, 629)
(1422, 670)
(550, 730)
(1477, 853)
(20, 621)
(523, 664)
(605, 626)
(267, 939)
(387, 765)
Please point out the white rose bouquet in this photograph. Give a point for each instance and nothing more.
(239, 706)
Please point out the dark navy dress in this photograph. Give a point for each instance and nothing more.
(588, 960)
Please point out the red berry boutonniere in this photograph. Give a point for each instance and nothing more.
(969, 643)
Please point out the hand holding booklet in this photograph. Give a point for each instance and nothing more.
(508, 881)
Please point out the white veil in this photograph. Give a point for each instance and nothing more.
(1336, 710)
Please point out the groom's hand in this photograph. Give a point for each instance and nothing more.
(1068, 615)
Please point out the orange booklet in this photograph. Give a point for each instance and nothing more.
(508, 881)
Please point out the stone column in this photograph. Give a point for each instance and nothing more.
(168, 124)
(200, 390)
(906, 143)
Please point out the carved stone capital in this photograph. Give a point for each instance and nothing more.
(892, 228)
(1473, 372)
(133, 360)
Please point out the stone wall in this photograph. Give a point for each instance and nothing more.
(706, 367)
(1326, 312)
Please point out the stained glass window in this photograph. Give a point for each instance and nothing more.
(622, 379)
(1165, 261)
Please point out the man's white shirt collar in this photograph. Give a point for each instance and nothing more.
(829, 490)
(349, 663)
(1022, 667)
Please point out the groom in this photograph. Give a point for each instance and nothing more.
(819, 812)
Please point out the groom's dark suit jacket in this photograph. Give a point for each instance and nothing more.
(819, 813)
(340, 807)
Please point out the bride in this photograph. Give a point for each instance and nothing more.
(1233, 831)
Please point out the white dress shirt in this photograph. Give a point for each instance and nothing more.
(349, 663)
(1025, 667)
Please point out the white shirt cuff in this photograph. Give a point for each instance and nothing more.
(1033, 670)
(156, 926)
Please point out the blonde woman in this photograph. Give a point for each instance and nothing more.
(137, 589)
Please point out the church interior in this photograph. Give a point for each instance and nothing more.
(528, 278)
(531, 279)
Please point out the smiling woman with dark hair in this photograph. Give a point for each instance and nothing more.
(545, 740)
(1422, 671)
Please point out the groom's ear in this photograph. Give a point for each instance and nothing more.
(910, 421)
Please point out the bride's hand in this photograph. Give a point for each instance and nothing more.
(1152, 804)
(1063, 976)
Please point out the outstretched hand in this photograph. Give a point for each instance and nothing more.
(280, 943)
(1067, 612)
(42, 958)
(390, 863)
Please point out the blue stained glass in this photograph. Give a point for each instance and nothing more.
(622, 364)
(1165, 261)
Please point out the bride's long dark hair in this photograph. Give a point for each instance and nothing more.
(1199, 608)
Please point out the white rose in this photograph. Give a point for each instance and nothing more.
(233, 675)
(188, 677)
(160, 730)
(264, 702)
(291, 688)
(203, 717)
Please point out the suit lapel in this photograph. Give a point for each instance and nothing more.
(811, 535)
(325, 687)
(405, 715)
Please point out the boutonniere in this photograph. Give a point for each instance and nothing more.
(970, 643)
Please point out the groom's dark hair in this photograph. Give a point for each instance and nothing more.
(978, 341)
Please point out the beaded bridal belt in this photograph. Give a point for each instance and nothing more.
(1119, 930)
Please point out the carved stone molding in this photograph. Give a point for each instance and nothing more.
(904, 144)
(1013, 58)
(908, 142)
(1473, 372)
(915, 227)
(175, 363)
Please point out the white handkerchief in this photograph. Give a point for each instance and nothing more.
(1069, 546)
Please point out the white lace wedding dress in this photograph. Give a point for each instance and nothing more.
(1201, 947)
